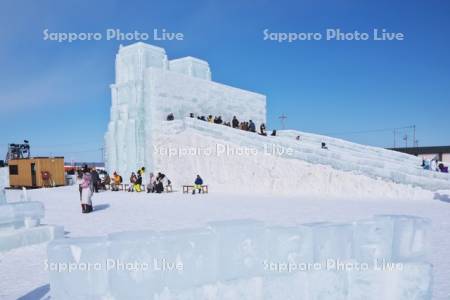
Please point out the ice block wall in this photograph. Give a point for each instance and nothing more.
(148, 87)
(380, 258)
(20, 225)
(191, 66)
(21, 214)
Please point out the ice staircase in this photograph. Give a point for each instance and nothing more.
(341, 155)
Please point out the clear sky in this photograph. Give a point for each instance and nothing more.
(57, 94)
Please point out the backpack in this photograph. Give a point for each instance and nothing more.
(120, 179)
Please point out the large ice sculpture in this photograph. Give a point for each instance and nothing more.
(148, 87)
(229, 259)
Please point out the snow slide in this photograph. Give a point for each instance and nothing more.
(233, 160)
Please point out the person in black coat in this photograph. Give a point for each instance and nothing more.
(262, 129)
(251, 126)
(235, 122)
(95, 179)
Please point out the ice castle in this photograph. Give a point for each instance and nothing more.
(149, 86)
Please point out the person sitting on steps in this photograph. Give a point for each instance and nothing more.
(235, 122)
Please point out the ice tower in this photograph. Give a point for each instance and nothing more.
(148, 87)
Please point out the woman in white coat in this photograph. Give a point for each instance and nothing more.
(87, 189)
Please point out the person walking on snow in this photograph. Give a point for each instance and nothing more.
(197, 185)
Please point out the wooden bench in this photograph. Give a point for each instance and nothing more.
(120, 187)
(186, 189)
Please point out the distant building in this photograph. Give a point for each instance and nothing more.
(441, 152)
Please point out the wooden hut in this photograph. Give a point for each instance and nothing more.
(36, 172)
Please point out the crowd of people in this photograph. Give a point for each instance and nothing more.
(235, 123)
(91, 180)
(434, 165)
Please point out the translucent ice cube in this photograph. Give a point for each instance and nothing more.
(77, 268)
(372, 239)
(288, 248)
(332, 241)
(241, 248)
(410, 240)
(131, 264)
(189, 257)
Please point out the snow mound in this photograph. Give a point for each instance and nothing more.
(246, 259)
(245, 162)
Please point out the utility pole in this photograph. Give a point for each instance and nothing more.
(414, 136)
(405, 138)
(283, 117)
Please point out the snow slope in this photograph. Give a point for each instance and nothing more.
(230, 159)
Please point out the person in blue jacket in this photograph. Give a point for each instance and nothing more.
(197, 184)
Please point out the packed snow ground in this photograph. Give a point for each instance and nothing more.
(22, 272)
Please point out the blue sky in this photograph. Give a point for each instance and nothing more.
(57, 94)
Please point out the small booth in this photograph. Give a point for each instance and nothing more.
(36, 172)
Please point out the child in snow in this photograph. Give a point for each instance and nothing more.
(197, 185)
